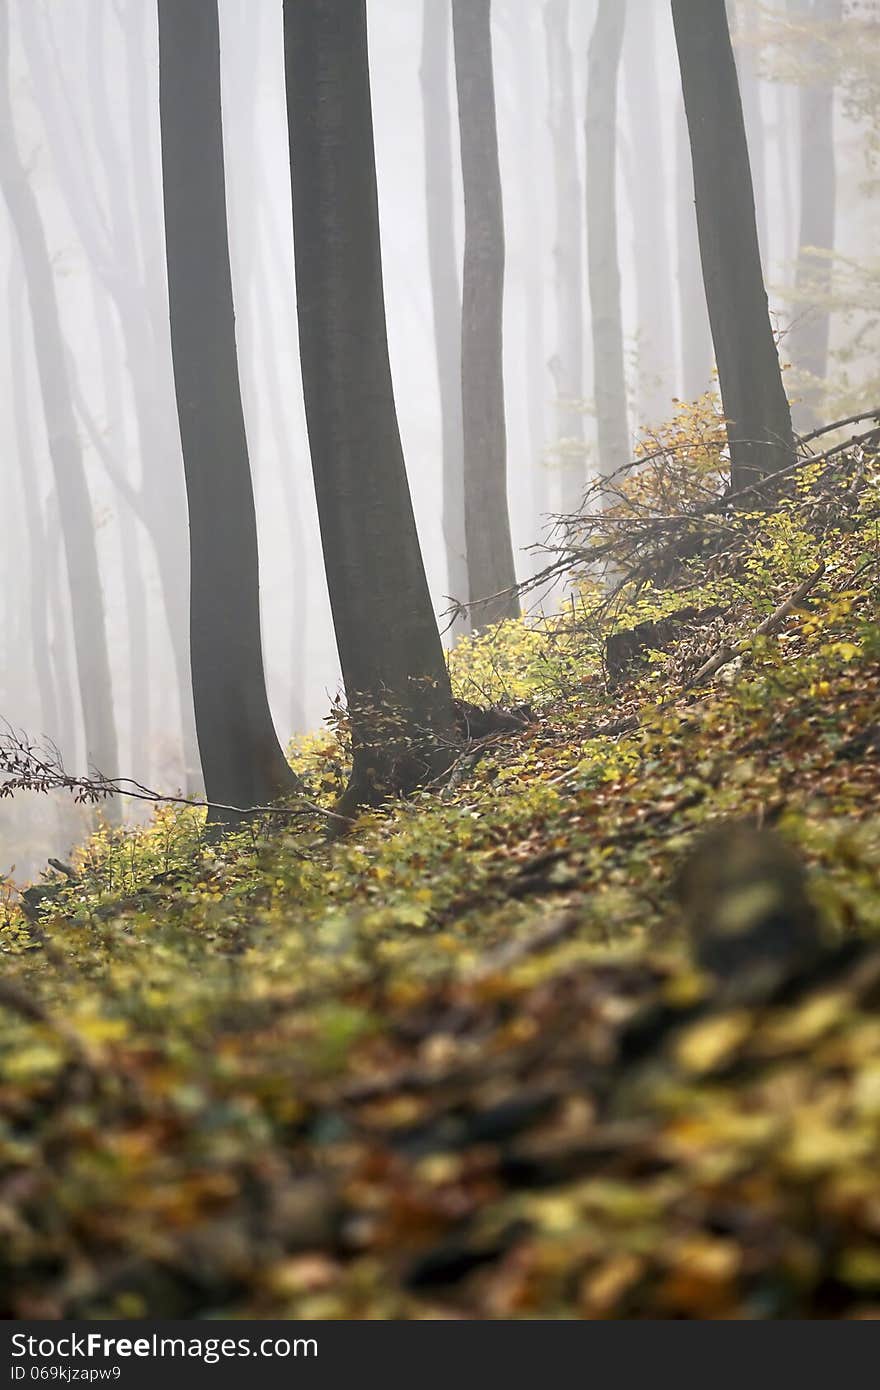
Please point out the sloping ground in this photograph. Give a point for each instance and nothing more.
(464, 1062)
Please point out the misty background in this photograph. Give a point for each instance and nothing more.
(84, 93)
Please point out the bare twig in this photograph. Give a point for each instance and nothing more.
(26, 768)
(840, 424)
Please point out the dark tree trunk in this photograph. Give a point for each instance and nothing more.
(242, 760)
(649, 199)
(392, 660)
(568, 256)
(754, 400)
(489, 547)
(606, 46)
(809, 334)
(74, 503)
(445, 287)
(696, 336)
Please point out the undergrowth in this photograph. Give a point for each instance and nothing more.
(272, 1076)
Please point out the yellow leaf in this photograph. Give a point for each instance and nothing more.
(709, 1044)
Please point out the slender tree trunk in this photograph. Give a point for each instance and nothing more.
(143, 319)
(74, 503)
(113, 249)
(445, 287)
(392, 659)
(242, 760)
(568, 256)
(489, 547)
(785, 101)
(695, 334)
(755, 404)
(809, 334)
(37, 588)
(606, 46)
(138, 628)
(287, 452)
(649, 198)
(61, 651)
(533, 358)
(259, 258)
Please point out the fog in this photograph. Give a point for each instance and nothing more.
(83, 78)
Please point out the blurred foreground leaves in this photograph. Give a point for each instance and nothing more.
(481, 1057)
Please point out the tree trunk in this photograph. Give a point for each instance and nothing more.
(135, 289)
(37, 588)
(445, 288)
(140, 666)
(786, 121)
(695, 334)
(287, 449)
(754, 400)
(61, 649)
(606, 45)
(489, 547)
(395, 675)
(263, 253)
(242, 760)
(568, 253)
(74, 503)
(649, 199)
(809, 334)
(154, 386)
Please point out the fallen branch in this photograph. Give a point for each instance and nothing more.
(726, 654)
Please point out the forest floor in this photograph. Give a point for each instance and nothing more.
(464, 1061)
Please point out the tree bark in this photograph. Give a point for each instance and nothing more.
(759, 420)
(489, 548)
(695, 334)
(445, 287)
(809, 334)
(568, 257)
(396, 682)
(74, 503)
(242, 760)
(606, 46)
